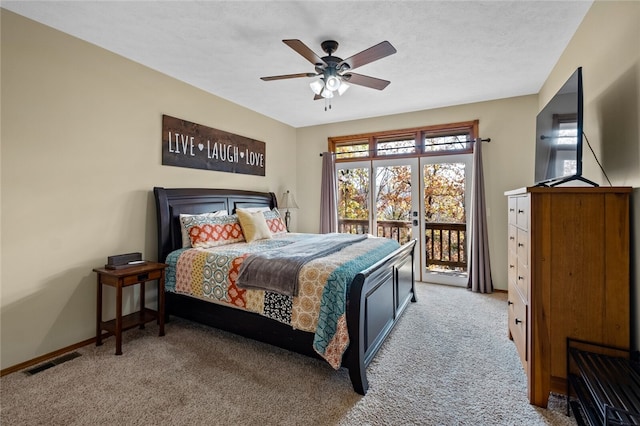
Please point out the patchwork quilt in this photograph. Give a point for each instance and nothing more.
(323, 284)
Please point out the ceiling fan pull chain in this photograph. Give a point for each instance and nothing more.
(327, 101)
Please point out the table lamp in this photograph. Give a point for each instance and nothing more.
(287, 202)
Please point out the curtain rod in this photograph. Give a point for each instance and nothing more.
(389, 149)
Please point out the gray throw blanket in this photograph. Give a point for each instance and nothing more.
(277, 269)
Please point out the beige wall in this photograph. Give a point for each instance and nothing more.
(81, 134)
(607, 46)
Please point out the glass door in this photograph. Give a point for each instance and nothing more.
(396, 192)
(354, 197)
(407, 198)
(446, 189)
(380, 197)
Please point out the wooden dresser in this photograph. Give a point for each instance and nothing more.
(568, 276)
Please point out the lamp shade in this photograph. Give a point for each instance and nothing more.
(317, 86)
(287, 201)
(326, 93)
(343, 88)
(332, 83)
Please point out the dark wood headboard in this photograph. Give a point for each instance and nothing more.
(172, 202)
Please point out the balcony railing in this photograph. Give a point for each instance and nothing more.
(446, 242)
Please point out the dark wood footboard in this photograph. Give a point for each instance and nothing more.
(377, 298)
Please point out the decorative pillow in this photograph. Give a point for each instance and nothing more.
(254, 225)
(194, 219)
(274, 222)
(255, 209)
(216, 231)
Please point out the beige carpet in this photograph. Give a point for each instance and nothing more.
(448, 362)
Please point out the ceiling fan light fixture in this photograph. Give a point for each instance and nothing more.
(317, 86)
(343, 88)
(327, 94)
(332, 83)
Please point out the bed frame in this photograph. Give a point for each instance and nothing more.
(377, 297)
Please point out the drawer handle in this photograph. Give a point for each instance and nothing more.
(518, 321)
(512, 210)
(509, 303)
(512, 238)
(520, 211)
(511, 266)
(520, 244)
(143, 277)
(521, 278)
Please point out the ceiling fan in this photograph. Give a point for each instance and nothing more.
(336, 73)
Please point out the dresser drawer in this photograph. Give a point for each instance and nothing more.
(522, 246)
(522, 279)
(513, 206)
(517, 317)
(513, 237)
(522, 212)
(512, 260)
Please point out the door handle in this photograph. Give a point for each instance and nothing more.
(415, 222)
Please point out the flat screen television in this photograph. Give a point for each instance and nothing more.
(558, 156)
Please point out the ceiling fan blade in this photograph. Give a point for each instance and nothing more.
(316, 97)
(366, 81)
(282, 77)
(303, 50)
(371, 54)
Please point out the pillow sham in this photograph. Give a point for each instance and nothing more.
(254, 225)
(216, 231)
(192, 219)
(255, 209)
(274, 222)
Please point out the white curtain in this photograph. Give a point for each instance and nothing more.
(479, 265)
(328, 195)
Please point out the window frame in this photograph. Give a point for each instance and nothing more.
(418, 134)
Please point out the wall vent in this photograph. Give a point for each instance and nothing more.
(52, 363)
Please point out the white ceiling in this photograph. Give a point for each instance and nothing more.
(449, 52)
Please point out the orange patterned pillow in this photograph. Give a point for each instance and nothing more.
(274, 222)
(216, 231)
(188, 220)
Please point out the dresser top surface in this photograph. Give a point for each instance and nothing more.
(570, 189)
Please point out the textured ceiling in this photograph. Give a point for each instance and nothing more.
(449, 52)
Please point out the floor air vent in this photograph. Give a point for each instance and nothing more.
(52, 363)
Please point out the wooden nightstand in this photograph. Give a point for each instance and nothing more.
(119, 278)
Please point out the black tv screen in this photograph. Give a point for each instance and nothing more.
(558, 156)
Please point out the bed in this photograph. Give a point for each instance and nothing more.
(375, 298)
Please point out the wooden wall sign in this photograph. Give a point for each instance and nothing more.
(186, 144)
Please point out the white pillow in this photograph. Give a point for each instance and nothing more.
(255, 209)
(254, 225)
(187, 220)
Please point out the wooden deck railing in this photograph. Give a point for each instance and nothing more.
(446, 242)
